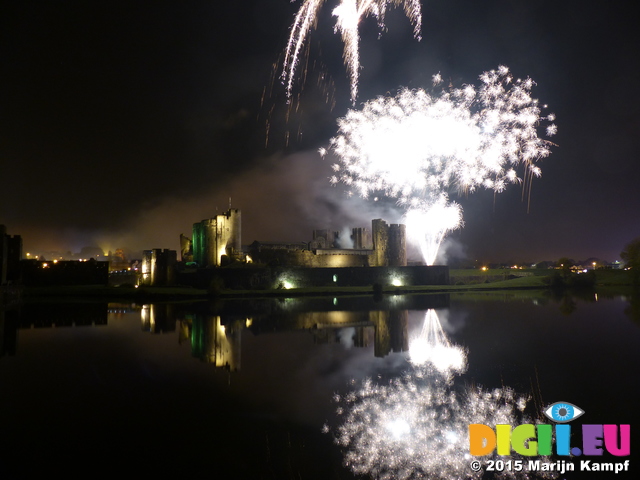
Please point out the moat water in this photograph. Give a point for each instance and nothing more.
(243, 388)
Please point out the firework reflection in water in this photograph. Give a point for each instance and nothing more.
(432, 346)
(416, 426)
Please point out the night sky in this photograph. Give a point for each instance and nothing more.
(123, 123)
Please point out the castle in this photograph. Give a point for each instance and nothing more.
(217, 242)
(375, 258)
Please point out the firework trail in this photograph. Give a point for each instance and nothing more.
(348, 15)
(418, 147)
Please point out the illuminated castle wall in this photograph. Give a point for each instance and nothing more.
(217, 237)
(385, 247)
(159, 267)
(216, 242)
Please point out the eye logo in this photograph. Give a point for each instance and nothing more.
(563, 412)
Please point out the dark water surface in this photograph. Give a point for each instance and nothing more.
(242, 389)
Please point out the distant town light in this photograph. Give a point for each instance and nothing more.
(396, 282)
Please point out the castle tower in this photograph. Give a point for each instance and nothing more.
(397, 246)
(158, 267)
(324, 238)
(380, 236)
(361, 238)
(389, 244)
(186, 249)
(216, 237)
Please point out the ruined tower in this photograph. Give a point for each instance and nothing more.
(361, 238)
(159, 267)
(217, 239)
(397, 246)
(389, 244)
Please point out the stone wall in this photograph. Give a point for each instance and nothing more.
(261, 278)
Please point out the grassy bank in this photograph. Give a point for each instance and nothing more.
(461, 281)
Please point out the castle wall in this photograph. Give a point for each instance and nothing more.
(388, 244)
(159, 267)
(323, 238)
(261, 278)
(328, 258)
(361, 238)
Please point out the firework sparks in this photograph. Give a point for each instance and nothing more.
(417, 426)
(348, 15)
(418, 147)
(428, 224)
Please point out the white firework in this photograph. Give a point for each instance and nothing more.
(418, 147)
(417, 426)
(348, 15)
(429, 222)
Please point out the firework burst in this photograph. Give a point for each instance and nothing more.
(348, 15)
(417, 148)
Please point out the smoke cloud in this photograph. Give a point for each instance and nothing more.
(282, 198)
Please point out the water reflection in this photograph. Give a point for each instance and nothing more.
(433, 346)
(47, 315)
(213, 341)
(406, 421)
(214, 330)
(417, 425)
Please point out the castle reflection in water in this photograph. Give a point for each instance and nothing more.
(214, 330)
